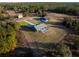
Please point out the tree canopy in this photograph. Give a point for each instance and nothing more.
(7, 36)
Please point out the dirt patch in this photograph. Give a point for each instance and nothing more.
(56, 15)
(51, 36)
(23, 40)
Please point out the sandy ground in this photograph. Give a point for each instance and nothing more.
(54, 17)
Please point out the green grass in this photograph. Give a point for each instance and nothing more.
(23, 23)
(34, 22)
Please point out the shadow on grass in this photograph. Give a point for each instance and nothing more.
(54, 23)
(38, 19)
(44, 45)
(41, 19)
(19, 52)
(32, 52)
(37, 51)
(58, 26)
(28, 28)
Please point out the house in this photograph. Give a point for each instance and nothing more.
(41, 27)
(37, 27)
(19, 15)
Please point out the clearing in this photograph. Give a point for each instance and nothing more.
(54, 34)
(37, 41)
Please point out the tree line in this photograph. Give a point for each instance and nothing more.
(71, 10)
(40, 9)
(7, 35)
(72, 23)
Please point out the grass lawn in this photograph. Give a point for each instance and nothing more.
(23, 23)
(32, 21)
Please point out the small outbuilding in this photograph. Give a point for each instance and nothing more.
(19, 15)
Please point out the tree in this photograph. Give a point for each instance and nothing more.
(63, 50)
(76, 41)
(72, 23)
(7, 37)
(60, 50)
